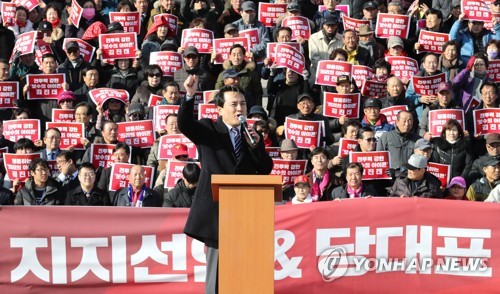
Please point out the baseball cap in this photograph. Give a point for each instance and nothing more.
(248, 5)
(422, 144)
(229, 73)
(230, 27)
(293, 6)
(394, 41)
(114, 26)
(456, 3)
(370, 5)
(288, 145)
(491, 161)
(135, 108)
(302, 179)
(179, 150)
(372, 102)
(493, 138)
(415, 162)
(45, 26)
(72, 44)
(257, 109)
(304, 96)
(343, 78)
(191, 50)
(445, 86)
(330, 20)
(457, 181)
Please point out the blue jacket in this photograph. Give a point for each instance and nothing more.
(466, 42)
(259, 50)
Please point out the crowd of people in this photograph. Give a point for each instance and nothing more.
(474, 158)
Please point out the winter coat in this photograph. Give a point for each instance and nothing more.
(150, 45)
(258, 50)
(7, 39)
(210, 15)
(320, 50)
(53, 194)
(74, 76)
(380, 127)
(284, 97)
(430, 187)
(179, 196)
(205, 79)
(151, 198)
(457, 155)
(128, 81)
(423, 126)
(463, 85)
(142, 95)
(480, 189)
(341, 192)
(414, 97)
(249, 80)
(476, 171)
(399, 145)
(97, 197)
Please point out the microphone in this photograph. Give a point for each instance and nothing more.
(243, 121)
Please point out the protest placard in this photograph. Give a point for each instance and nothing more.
(432, 42)
(288, 169)
(391, 112)
(209, 95)
(17, 165)
(71, 134)
(291, 58)
(200, 38)
(346, 146)
(274, 152)
(75, 13)
(137, 133)
(9, 92)
(486, 121)
(207, 110)
(374, 163)
(374, 89)
(403, 67)
(8, 12)
(167, 142)
(131, 21)
(271, 49)
(118, 45)
(441, 171)
(439, 117)
(299, 25)
(86, 50)
(172, 21)
(14, 130)
(63, 115)
(270, 12)
(329, 70)
(342, 8)
(174, 172)
(222, 47)
(101, 95)
(41, 48)
(337, 105)
(427, 85)
(28, 4)
(353, 23)
(304, 133)
(154, 100)
(494, 70)
(45, 86)
(101, 155)
(120, 176)
(160, 112)
(389, 25)
(361, 73)
(25, 44)
(476, 10)
(169, 62)
(252, 35)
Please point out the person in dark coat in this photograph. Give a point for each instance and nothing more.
(192, 66)
(214, 141)
(182, 194)
(136, 194)
(354, 188)
(7, 39)
(86, 194)
(74, 73)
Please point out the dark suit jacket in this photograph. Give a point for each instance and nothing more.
(217, 157)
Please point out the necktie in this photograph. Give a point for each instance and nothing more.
(50, 156)
(237, 143)
(67, 180)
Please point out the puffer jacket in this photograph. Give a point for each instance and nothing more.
(249, 79)
(399, 145)
(143, 93)
(457, 155)
(205, 79)
(53, 194)
(430, 187)
(128, 81)
(179, 196)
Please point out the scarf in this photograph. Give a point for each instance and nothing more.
(450, 65)
(354, 193)
(21, 24)
(319, 186)
(478, 81)
(308, 199)
(351, 56)
(368, 46)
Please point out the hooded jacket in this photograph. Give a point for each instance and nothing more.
(179, 196)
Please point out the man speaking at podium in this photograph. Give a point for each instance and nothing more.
(224, 147)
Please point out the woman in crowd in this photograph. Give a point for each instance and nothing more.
(448, 62)
(89, 16)
(21, 22)
(456, 189)
(468, 82)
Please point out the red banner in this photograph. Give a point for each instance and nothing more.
(137, 133)
(252, 35)
(486, 121)
(374, 89)
(208, 96)
(8, 13)
(154, 100)
(494, 70)
(389, 25)
(28, 4)
(432, 42)
(75, 13)
(270, 12)
(337, 105)
(403, 67)
(167, 142)
(438, 117)
(119, 176)
(207, 110)
(392, 112)
(9, 92)
(17, 165)
(174, 172)
(299, 25)
(14, 130)
(402, 242)
(476, 10)
(441, 171)
(25, 43)
(288, 169)
(63, 115)
(291, 58)
(329, 70)
(118, 45)
(131, 21)
(353, 23)
(45, 86)
(86, 50)
(71, 133)
(159, 114)
(199, 38)
(102, 155)
(169, 62)
(274, 152)
(222, 47)
(305, 133)
(172, 21)
(361, 73)
(271, 49)
(347, 146)
(375, 164)
(427, 85)
(99, 96)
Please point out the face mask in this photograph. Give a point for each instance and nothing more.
(492, 54)
(88, 13)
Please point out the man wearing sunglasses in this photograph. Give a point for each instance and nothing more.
(192, 66)
(73, 66)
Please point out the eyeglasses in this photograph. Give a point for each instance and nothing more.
(42, 170)
(88, 175)
(137, 114)
(73, 50)
(66, 101)
(371, 139)
(192, 57)
(154, 75)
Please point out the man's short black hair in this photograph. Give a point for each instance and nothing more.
(67, 155)
(86, 165)
(220, 99)
(191, 172)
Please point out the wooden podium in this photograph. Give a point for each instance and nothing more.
(246, 231)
